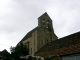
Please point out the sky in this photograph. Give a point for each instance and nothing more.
(18, 17)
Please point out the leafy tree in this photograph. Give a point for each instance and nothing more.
(20, 50)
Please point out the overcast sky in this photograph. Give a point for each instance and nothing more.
(18, 17)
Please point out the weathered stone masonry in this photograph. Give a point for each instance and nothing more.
(40, 35)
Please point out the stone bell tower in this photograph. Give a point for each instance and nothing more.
(45, 32)
(44, 21)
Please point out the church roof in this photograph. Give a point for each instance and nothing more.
(29, 34)
(43, 15)
(66, 45)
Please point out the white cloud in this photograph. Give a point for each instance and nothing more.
(17, 17)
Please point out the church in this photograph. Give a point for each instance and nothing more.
(40, 35)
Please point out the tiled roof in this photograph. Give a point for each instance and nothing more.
(66, 45)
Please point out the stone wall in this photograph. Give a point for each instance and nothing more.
(34, 42)
(28, 43)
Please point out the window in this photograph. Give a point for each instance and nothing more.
(43, 20)
(48, 26)
(47, 21)
(27, 43)
(43, 23)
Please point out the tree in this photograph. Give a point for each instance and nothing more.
(18, 51)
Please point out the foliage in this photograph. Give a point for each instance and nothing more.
(52, 57)
(48, 57)
(18, 51)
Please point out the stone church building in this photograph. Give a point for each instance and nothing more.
(41, 35)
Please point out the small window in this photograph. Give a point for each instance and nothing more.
(47, 27)
(47, 21)
(43, 20)
(27, 43)
(43, 23)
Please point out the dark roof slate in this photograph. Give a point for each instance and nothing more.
(66, 45)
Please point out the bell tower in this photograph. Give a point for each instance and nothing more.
(45, 32)
(45, 21)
